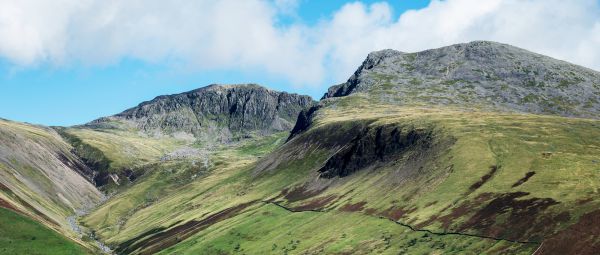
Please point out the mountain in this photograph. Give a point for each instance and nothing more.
(224, 111)
(181, 125)
(479, 74)
(477, 148)
(453, 164)
(50, 176)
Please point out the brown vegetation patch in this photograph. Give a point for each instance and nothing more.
(428, 222)
(357, 207)
(524, 179)
(396, 213)
(584, 201)
(462, 210)
(316, 204)
(483, 179)
(7, 205)
(161, 240)
(123, 247)
(299, 193)
(3, 187)
(370, 211)
(502, 216)
(520, 221)
(581, 238)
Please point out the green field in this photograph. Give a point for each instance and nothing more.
(21, 235)
(489, 184)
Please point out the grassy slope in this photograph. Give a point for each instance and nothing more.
(269, 229)
(164, 194)
(562, 152)
(21, 235)
(125, 148)
(38, 178)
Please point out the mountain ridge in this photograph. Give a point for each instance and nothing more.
(224, 110)
(478, 74)
(415, 153)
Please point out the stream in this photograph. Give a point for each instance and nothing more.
(75, 227)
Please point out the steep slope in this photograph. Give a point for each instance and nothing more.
(183, 125)
(221, 111)
(466, 149)
(452, 164)
(479, 74)
(39, 178)
(49, 174)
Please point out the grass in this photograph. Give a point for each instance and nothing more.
(21, 235)
(263, 146)
(269, 229)
(39, 178)
(124, 148)
(167, 195)
(561, 151)
(517, 142)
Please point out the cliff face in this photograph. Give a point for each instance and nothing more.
(222, 111)
(482, 74)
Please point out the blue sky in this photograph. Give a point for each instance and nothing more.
(54, 95)
(68, 65)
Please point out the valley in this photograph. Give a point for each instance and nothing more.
(475, 148)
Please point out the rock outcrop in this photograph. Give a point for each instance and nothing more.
(382, 144)
(220, 111)
(304, 121)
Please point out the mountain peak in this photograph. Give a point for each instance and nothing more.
(480, 74)
(221, 111)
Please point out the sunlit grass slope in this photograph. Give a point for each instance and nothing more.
(490, 183)
(125, 148)
(39, 179)
(458, 150)
(21, 235)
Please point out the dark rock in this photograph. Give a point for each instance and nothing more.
(304, 121)
(381, 144)
(221, 111)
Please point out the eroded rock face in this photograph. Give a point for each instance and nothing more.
(217, 110)
(478, 74)
(377, 145)
(304, 121)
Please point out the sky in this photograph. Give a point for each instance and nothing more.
(67, 62)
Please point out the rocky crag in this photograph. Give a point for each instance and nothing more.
(480, 74)
(221, 111)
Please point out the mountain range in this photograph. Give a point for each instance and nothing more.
(474, 148)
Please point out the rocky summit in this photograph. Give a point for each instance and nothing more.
(223, 111)
(478, 74)
(476, 148)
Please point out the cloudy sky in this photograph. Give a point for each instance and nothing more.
(65, 62)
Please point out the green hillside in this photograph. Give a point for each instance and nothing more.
(436, 152)
(490, 183)
(21, 235)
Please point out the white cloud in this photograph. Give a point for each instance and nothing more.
(246, 35)
(568, 30)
